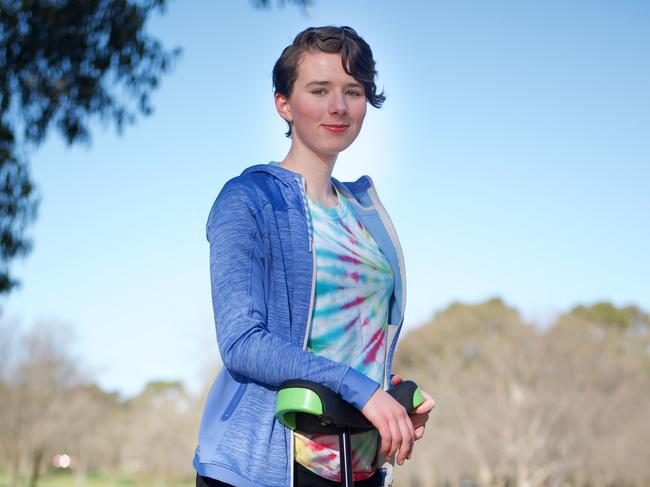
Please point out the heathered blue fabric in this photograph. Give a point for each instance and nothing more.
(261, 277)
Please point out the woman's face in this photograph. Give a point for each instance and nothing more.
(327, 106)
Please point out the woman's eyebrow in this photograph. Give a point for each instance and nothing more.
(316, 82)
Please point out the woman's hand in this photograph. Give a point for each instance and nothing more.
(393, 423)
(420, 415)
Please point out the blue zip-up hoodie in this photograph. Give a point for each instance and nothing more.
(263, 271)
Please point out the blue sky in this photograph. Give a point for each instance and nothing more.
(513, 154)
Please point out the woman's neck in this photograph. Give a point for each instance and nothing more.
(317, 173)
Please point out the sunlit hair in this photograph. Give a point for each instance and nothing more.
(356, 57)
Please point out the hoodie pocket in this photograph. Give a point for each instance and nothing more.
(234, 401)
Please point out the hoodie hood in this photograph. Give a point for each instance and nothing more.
(357, 191)
(273, 168)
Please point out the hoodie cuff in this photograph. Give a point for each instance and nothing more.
(357, 388)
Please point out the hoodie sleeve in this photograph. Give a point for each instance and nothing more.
(238, 296)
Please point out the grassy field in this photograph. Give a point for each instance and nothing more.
(67, 479)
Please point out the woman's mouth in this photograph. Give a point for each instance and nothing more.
(337, 128)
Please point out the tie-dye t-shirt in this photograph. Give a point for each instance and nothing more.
(354, 282)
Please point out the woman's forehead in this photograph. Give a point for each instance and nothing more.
(322, 66)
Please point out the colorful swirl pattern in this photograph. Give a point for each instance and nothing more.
(354, 282)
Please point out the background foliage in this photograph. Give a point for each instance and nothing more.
(63, 63)
(516, 406)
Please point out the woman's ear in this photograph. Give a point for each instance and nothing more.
(282, 106)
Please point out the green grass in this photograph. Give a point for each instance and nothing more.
(95, 479)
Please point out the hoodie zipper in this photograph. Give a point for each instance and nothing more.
(305, 205)
(310, 238)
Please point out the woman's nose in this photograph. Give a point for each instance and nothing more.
(337, 103)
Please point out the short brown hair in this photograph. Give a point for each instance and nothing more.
(356, 57)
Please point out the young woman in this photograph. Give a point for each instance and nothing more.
(308, 283)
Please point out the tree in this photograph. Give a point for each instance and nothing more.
(520, 408)
(36, 395)
(63, 62)
(162, 421)
(599, 366)
(474, 360)
(304, 4)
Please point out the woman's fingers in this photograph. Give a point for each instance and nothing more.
(393, 423)
(377, 411)
(398, 429)
(396, 437)
(385, 437)
(408, 438)
(419, 419)
(426, 406)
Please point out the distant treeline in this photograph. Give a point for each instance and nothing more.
(520, 407)
(50, 406)
(516, 406)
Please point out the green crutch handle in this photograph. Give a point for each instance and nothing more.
(313, 408)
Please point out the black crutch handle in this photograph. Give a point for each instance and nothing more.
(310, 407)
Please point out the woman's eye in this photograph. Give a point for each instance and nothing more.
(318, 91)
(355, 93)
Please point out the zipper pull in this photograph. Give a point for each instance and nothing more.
(303, 194)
